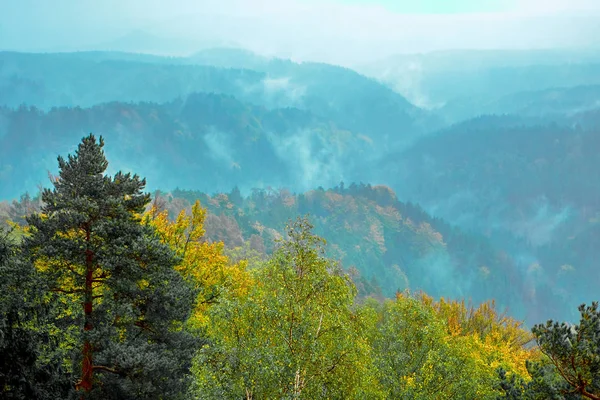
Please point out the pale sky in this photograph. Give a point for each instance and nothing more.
(338, 31)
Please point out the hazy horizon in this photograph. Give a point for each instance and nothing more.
(344, 32)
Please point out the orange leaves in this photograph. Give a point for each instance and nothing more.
(426, 230)
(376, 234)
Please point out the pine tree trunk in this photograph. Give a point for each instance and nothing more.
(87, 370)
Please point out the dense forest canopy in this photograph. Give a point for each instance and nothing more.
(243, 225)
(124, 301)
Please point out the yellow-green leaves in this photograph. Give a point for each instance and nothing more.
(430, 350)
(294, 336)
(202, 264)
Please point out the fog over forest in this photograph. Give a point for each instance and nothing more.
(447, 152)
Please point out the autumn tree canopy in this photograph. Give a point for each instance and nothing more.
(105, 296)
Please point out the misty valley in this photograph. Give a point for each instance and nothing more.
(231, 225)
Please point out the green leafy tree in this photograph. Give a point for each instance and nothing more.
(123, 306)
(294, 336)
(415, 357)
(428, 350)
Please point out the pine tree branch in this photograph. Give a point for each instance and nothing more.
(103, 275)
(70, 268)
(108, 369)
(144, 325)
(74, 291)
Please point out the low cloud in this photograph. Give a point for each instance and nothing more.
(219, 147)
(283, 87)
(312, 161)
(540, 228)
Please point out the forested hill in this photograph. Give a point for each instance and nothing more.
(532, 188)
(392, 245)
(341, 95)
(523, 184)
(387, 246)
(508, 159)
(209, 142)
(557, 103)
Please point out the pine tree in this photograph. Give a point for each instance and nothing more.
(571, 368)
(124, 305)
(574, 351)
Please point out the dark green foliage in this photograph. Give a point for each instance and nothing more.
(511, 386)
(17, 350)
(23, 333)
(124, 305)
(571, 369)
(574, 350)
(545, 384)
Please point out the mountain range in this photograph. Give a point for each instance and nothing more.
(483, 165)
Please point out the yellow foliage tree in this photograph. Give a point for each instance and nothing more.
(446, 350)
(502, 340)
(202, 263)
